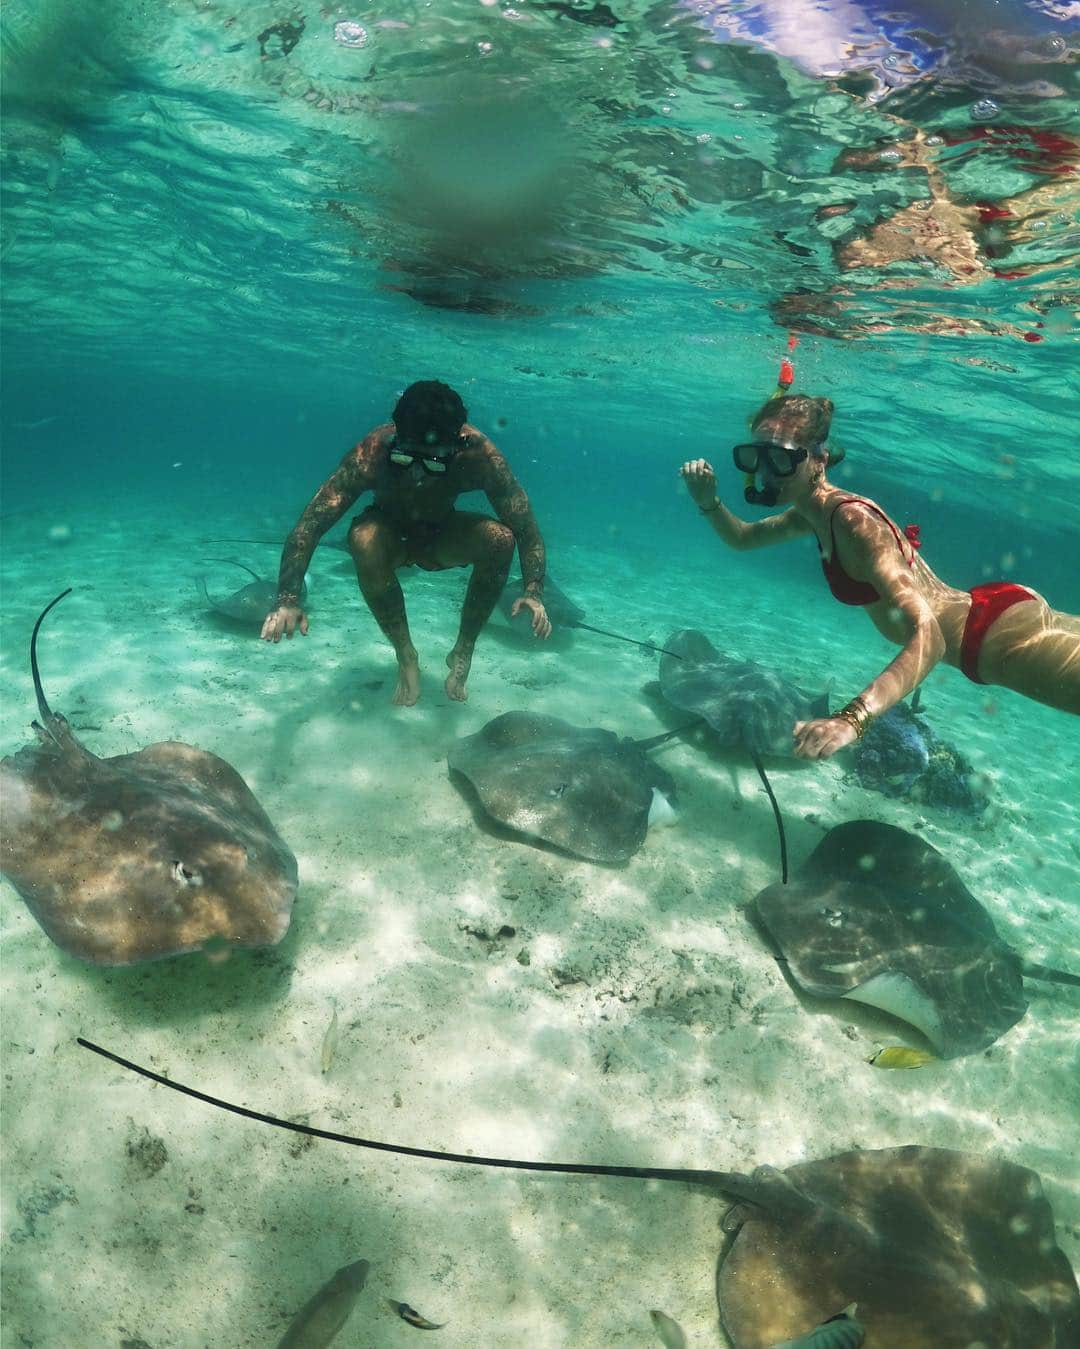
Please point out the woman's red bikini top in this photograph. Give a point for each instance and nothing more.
(846, 588)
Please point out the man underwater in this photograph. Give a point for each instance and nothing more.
(417, 465)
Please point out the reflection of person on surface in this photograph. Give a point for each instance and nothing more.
(996, 634)
(417, 466)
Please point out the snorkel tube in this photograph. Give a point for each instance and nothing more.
(767, 495)
(759, 496)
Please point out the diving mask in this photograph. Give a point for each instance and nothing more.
(431, 463)
(774, 459)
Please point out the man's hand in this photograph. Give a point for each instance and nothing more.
(286, 618)
(821, 739)
(700, 481)
(541, 624)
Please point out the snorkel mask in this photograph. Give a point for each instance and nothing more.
(402, 456)
(777, 459)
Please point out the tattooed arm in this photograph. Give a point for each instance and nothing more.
(325, 508)
(511, 505)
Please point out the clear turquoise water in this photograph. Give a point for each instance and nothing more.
(222, 262)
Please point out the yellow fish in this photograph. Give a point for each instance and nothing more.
(899, 1056)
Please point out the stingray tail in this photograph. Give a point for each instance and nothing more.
(270, 543)
(649, 646)
(52, 723)
(1033, 971)
(721, 1180)
(232, 562)
(656, 740)
(776, 812)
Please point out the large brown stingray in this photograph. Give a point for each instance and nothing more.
(940, 1249)
(879, 916)
(142, 855)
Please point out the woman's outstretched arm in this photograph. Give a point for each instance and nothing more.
(869, 552)
(700, 479)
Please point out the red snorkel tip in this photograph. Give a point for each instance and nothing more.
(786, 378)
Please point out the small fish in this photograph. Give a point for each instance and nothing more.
(670, 1332)
(841, 1331)
(899, 1056)
(413, 1317)
(329, 1041)
(321, 1317)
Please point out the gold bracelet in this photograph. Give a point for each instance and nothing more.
(857, 715)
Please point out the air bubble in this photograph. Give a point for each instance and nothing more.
(984, 110)
(935, 140)
(890, 156)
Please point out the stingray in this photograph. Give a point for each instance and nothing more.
(746, 704)
(581, 789)
(878, 915)
(142, 855)
(938, 1248)
(251, 603)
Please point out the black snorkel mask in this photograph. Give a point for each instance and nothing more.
(774, 459)
(434, 463)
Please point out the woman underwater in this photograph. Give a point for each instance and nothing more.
(998, 633)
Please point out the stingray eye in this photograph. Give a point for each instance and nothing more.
(834, 917)
(556, 792)
(184, 875)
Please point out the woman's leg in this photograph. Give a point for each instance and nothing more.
(1035, 650)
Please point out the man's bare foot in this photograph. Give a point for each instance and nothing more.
(408, 684)
(459, 663)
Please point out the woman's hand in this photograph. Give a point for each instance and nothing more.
(821, 739)
(286, 618)
(700, 481)
(541, 624)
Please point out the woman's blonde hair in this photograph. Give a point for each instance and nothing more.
(810, 417)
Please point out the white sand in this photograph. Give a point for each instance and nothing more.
(633, 1017)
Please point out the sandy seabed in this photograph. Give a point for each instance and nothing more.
(491, 997)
